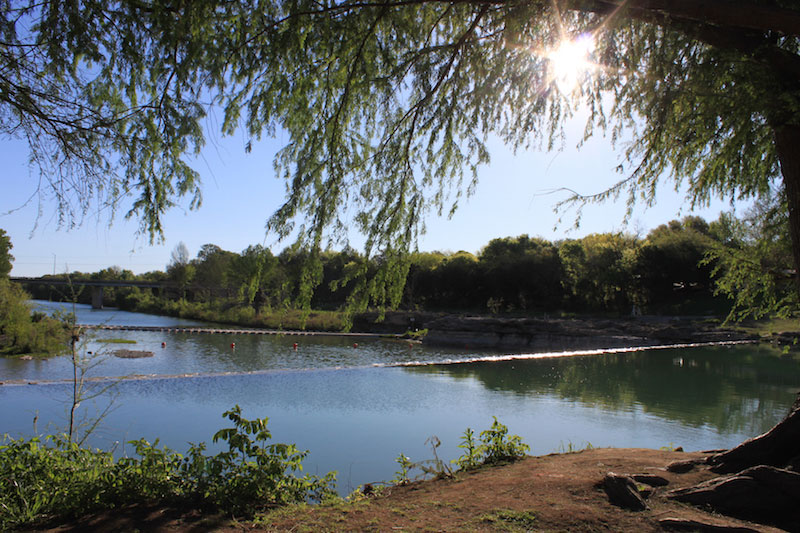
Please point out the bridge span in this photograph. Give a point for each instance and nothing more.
(96, 285)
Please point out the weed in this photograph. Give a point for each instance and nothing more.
(472, 453)
(439, 468)
(406, 465)
(571, 448)
(496, 446)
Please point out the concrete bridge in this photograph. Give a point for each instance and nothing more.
(96, 285)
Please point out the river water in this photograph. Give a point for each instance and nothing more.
(356, 408)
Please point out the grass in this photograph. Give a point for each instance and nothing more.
(507, 520)
(116, 341)
(417, 335)
(571, 448)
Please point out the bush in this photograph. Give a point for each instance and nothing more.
(58, 479)
(495, 447)
(498, 447)
(23, 332)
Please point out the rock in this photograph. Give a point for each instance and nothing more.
(548, 334)
(392, 321)
(763, 494)
(622, 492)
(681, 524)
(650, 479)
(681, 467)
(132, 354)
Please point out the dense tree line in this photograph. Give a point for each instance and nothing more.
(683, 266)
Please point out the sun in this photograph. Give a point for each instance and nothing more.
(569, 62)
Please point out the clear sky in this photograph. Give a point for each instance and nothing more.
(514, 196)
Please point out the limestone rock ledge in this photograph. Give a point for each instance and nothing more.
(550, 334)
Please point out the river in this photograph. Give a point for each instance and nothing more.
(356, 408)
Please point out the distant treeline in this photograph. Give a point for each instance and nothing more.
(669, 270)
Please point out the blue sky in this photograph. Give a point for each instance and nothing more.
(514, 196)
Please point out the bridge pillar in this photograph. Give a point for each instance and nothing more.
(97, 297)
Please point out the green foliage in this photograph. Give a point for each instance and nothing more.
(600, 270)
(180, 269)
(5, 254)
(252, 270)
(387, 108)
(671, 262)
(213, 267)
(53, 477)
(253, 474)
(498, 447)
(40, 479)
(683, 267)
(416, 335)
(406, 465)
(23, 332)
(754, 266)
(507, 520)
(472, 456)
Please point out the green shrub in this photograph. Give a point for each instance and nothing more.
(55, 478)
(23, 332)
(496, 447)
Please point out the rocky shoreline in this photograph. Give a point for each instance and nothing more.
(555, 333)
(547, 334)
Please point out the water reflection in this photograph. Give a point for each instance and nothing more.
(356, 418)
(85, 315)
(733, 389)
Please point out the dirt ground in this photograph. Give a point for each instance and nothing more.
(558, 492)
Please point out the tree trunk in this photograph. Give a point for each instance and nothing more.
(780, 446)
(787, 144)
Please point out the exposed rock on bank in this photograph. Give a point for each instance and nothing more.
(546, 334)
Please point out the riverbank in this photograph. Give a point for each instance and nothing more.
(584, 333)
(559, 492)
(557, 333)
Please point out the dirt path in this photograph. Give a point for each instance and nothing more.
(550, 493)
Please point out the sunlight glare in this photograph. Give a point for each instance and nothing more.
(569, 62)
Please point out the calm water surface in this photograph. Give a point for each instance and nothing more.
(357, 413)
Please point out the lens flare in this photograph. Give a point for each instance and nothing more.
(569, 63)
